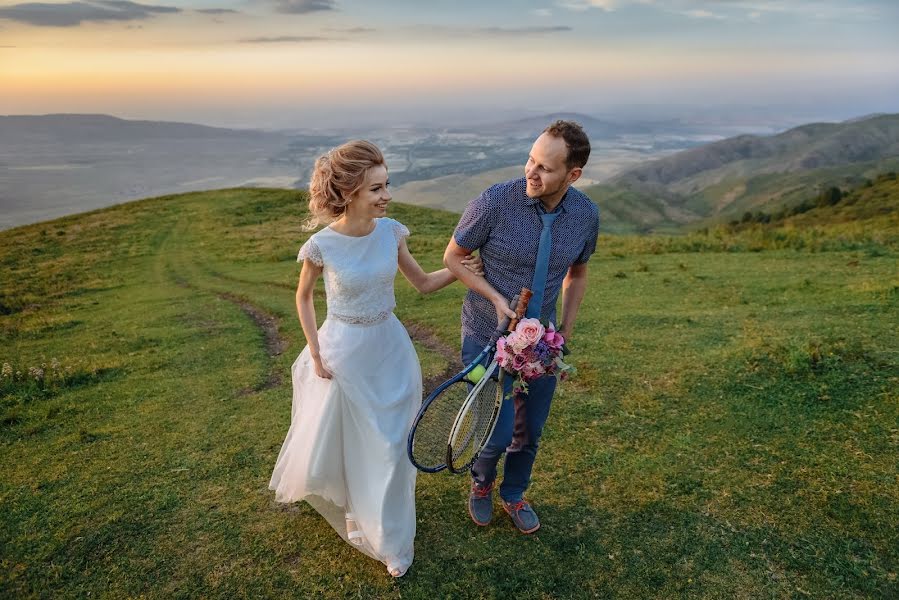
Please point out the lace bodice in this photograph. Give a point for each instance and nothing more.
(358, 271)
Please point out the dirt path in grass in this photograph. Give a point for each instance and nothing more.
(275, 344)
(430, 341)
(272, 341)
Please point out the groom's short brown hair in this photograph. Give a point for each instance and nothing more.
(575, 139)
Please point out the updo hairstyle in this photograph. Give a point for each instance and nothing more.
(338, 175)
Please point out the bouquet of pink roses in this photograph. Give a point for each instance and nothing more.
(532, 351)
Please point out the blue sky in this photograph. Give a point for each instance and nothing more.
(281, 61)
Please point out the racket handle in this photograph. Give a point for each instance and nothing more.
(523, 299)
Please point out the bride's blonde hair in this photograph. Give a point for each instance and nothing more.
(338, 175)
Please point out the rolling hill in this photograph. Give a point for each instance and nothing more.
(83, 128)
(452, 192)
(731, 431)
(722, 179)
(596, 128)
(52, 165)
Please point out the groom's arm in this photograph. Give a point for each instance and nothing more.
(573, 288)
(472, 232)
(452, 259)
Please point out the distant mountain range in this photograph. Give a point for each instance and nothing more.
(748, 172)
(52, 165)
(104, 128)
(595, 128)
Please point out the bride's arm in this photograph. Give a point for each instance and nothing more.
(306, 311)
(430, 282)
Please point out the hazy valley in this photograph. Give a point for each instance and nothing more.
(56, 165)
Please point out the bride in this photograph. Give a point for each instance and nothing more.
(357, 383)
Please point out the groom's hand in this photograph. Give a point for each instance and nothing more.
(565, 331)
(502, 309)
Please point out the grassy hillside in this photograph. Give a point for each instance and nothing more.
(626, 210)
(731, 431)
(716, 181)
(812, 146)
(874, 205)
(453, 192)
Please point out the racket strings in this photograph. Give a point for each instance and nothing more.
(429, 440)
(474, 426)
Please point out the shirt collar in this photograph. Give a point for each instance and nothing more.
(560, 207)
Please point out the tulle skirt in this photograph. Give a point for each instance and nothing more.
(345, 451)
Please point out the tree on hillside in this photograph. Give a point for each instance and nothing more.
(829, 197)
(804, 206)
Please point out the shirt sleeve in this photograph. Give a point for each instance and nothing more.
(311, 251)
(590, 243)
(476, 223)
(400, 231)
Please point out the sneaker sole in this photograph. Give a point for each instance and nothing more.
(525, 531)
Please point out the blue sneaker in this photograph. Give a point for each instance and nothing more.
(480, 503)
(523, 516)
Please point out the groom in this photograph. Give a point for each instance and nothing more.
(534, 224)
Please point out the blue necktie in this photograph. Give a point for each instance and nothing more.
(520, 434)
(541, 267)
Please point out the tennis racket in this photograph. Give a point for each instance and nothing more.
(426, 444)
(477, 418)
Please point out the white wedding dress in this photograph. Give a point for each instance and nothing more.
(345, 452)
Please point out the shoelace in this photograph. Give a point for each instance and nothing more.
(517, 506)
(481, 492)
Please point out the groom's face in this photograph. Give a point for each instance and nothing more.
(548, 177)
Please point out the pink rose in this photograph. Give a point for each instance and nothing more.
(532, 371)
(518, 362)
(531, 330)
(501, 351)
(553, 338)
(516, 342)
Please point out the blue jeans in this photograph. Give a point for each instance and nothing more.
(518, 465)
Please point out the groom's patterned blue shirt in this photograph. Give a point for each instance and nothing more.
(505, 224)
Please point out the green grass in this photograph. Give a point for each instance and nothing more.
(624, 209)
(710, 199)
(731, 433)
(774, 190)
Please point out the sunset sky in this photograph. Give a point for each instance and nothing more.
(301, 62)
